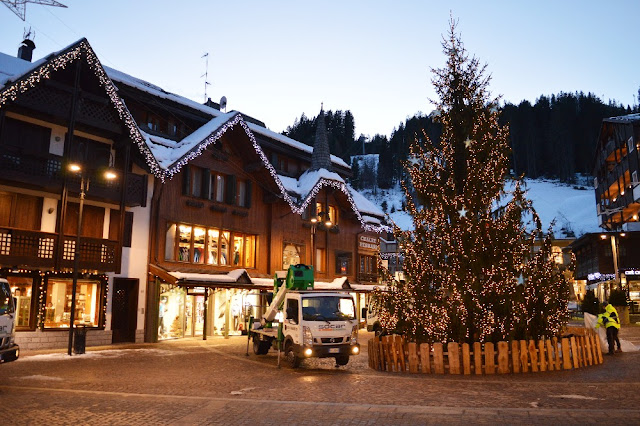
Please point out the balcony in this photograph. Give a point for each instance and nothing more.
(38, 249)
(45, 172)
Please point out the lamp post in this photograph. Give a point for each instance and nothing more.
(84, 186)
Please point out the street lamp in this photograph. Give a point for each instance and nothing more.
(84, 186)
(315, 221)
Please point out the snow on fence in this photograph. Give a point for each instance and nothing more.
(578, 348)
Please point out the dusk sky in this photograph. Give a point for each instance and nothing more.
(274, 60)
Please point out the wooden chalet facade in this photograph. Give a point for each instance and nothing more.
(214, 203)
(53, 112)
(617, 165)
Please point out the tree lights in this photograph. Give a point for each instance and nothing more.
(470, 274)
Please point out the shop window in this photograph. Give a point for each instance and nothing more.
(320, 260)
(170, 242)
(22, 289)
(198, 245)
(224, 247)
(171, 313)
(238, 244)
(343, 263)
(319, 209)
(184, 244)
(291, 255)
(556, 255)
(212, 244)
(89, 303)
(250, 251)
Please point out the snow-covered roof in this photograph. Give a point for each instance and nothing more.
(231, 277)
(12, 68)
(624, 118)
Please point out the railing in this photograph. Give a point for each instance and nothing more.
(370, 278)
(38, 249)
(45, 171)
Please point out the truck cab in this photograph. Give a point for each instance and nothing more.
(9, 351)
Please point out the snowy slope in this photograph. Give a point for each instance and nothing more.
(573, 209)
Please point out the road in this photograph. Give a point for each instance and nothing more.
(214, 382)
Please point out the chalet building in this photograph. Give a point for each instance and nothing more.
(206, 207)
(616, 173)
(607, 260)
(61, 110)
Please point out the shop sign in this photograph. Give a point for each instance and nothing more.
(597, 276)
(632, 272)
(369, 243)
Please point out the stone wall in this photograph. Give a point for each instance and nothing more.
(59, 339)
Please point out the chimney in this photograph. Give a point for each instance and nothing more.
(26, 49)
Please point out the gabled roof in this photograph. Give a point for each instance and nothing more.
(166, 157)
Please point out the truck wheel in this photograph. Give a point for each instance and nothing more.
(260, 347)
(342, 360)
(292, 358)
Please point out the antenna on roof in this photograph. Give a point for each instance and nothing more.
(206, 75)
(223, 103)
(19, 7)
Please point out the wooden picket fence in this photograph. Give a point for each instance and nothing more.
(579, 348)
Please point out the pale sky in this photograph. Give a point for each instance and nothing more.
(274, 60)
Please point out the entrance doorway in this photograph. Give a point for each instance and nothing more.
(194, 315)
(125, 309)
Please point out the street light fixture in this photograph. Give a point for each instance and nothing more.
(84, 187)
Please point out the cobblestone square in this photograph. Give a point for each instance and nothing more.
(214, 382)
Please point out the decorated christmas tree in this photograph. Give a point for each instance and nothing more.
(470, 271)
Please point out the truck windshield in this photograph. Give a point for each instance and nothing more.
(6, 303)
(328, 308)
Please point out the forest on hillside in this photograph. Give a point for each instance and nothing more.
(554, 138)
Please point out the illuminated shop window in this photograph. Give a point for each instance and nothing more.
(184, 243)
(198, 244)
(89, 303)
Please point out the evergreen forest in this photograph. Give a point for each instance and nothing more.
(553, 138)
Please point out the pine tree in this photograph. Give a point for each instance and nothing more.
(465, 257)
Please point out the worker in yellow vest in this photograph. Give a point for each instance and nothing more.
(610, 320)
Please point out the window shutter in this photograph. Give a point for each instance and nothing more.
(206, 184)
(128, 229)
(186, 180)
(230, 190)
(247, 202)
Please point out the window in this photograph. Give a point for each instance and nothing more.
(198, 245)
(22, 289)
(320, 260)
(368, 267)
(184, 243)
(291, 255)
(217, 187)
(128, 229)
(343, 263)
(333, 215)
(89, 303)
(630, 144)
(210, 246)
(250, 251)
(195, 181)
(292, 310)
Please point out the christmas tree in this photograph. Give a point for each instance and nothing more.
(469, 268)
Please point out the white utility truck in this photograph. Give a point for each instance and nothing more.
(9, 351)
(306, 323)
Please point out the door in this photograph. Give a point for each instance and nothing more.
(125, 309)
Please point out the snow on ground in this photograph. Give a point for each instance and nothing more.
(573, 207)
(110, 353)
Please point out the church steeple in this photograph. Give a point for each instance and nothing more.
(321, 157)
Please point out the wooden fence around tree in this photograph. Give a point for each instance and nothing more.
(577, 348)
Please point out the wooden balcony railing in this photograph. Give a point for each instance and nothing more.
(38, 249)
(45, 171)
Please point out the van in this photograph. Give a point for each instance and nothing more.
(9, 351)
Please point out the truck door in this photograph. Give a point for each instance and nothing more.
(292, 320)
